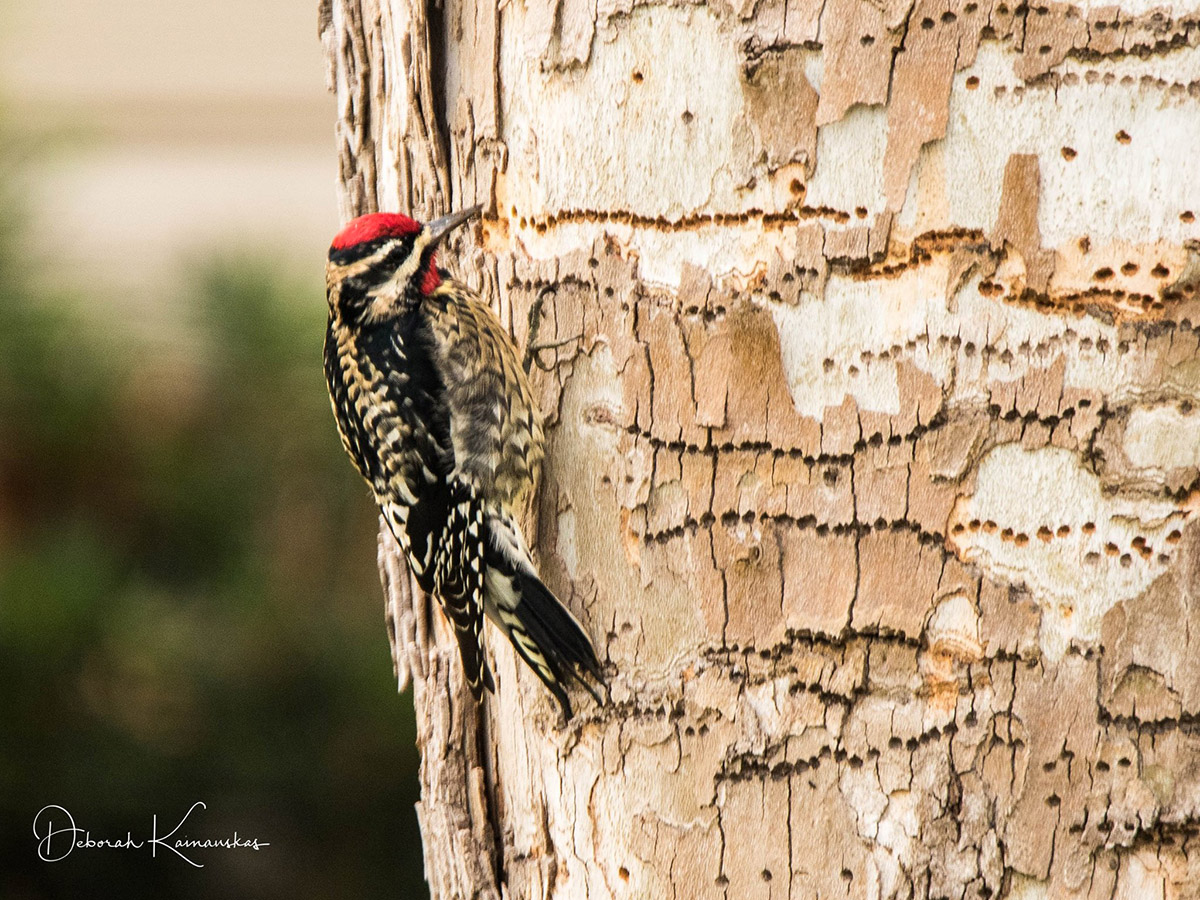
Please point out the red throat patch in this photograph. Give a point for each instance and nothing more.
(431, 279)
(374, 226)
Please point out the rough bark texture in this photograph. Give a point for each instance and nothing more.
(869, 338)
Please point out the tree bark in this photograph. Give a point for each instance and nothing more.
(869, 342)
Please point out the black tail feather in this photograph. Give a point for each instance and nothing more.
(566, 648)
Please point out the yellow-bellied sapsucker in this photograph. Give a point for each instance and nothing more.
(439, 418)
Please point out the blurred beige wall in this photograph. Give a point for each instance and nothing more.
(187, 126)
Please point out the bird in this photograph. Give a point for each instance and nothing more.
(439, 418)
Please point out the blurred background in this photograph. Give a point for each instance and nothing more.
(189, 606)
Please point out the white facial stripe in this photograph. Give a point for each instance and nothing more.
(385, 297)
(359, 266)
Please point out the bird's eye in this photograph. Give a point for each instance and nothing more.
(388, 258)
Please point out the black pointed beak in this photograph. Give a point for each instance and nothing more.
(439, 228)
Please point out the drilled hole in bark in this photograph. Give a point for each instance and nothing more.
(1101, 275)
(1044, 50)
(1068, 153)
(623, 873)
(638, 77)
(1053, 800)
(972, 83)
(1064, 530)
(1130, 268)
(927, 23)
(1123, 137)
(1160, 271)
(867, 40)
(1187, 216)
(1085, 244)
(687, 117)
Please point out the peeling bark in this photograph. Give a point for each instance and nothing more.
(869, 342)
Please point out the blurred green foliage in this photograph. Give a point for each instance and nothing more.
(189, 607)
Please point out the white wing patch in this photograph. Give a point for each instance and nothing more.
(507, 538)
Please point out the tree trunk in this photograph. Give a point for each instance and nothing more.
(869, 343)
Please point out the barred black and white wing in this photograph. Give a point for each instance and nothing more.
(394, 423)
(458, 580)
(497, 441)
